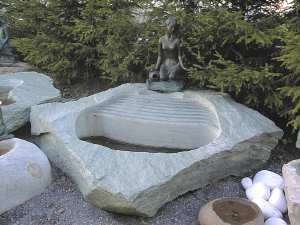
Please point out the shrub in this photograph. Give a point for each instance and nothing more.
(240, 47)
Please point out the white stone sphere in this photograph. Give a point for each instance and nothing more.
(267, 209)
(24, 170)
(269, 178)
(275, 221)
(246, 183)
(278, 200)
(258, 190)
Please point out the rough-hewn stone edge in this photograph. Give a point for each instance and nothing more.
(241, 159)
(291, 189)
(254, 153)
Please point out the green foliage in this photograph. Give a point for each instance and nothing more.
(75, 38)
(290, 90)
(245, 48)
(233, 55)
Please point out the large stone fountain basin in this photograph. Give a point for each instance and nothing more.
(224, 138)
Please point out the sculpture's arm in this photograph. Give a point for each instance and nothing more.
(159, 58)
(180, 58)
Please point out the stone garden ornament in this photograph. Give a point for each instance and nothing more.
(24, 170)
(234, 211)
(169, 70)
(3, 131)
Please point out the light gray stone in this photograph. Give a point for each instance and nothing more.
(24, 170)
(228, 139)
(20, 91)
(291, 175)
(298, 140)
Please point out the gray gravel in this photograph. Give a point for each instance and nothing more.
(63, 204)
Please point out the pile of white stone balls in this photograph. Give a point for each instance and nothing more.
(266, 190)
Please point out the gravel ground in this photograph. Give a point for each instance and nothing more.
(63, 204)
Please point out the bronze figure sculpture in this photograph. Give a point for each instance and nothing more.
(169, 66)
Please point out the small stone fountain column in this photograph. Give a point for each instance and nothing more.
(3, 132)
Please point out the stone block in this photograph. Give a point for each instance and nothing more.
(216, 137)
(291, 175)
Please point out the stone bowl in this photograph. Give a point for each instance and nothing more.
(20, 91)
(234, 211)
(24, 170)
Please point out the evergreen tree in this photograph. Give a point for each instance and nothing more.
(246, 48)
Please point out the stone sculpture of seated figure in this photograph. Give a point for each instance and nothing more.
(169, 66)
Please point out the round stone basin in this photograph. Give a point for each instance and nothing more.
(24, 170)
(152, 121)
(234, 211)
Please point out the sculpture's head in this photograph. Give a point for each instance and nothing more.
(172, 25)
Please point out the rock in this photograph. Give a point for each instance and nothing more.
(275, 221)
(165, 86)
(246, 183)
(267, 209)
(298, 140)
(20, 91)
(24, 170)
(230, 210)
(291, 175)
(258, 190)
(269, 178)
(278, 200)
(227, 139)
